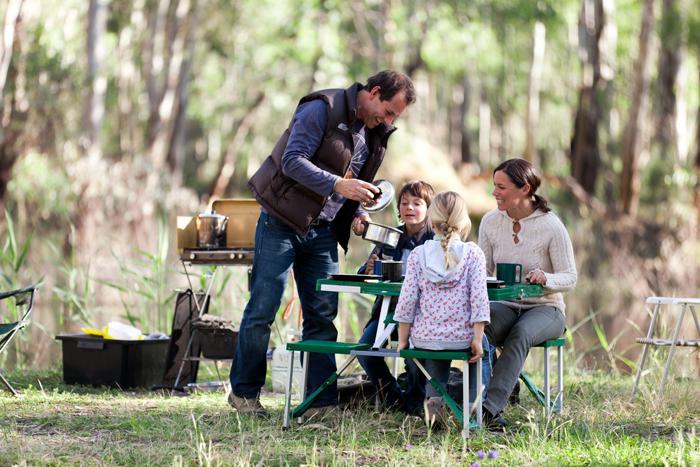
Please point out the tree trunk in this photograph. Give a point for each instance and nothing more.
(156, 54)
(127, 77)
(533, 92)
(669, 64)
(14, 106)
(632, 139)
(414, 61)
(596, 47)
(96, 80)
(14, 7)
(176, 152)
(455, 119)
(227, 165)
(697, 157)
(466, 154)
(174, 79)
(484, 131)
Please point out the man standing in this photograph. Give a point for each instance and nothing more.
(310, 188)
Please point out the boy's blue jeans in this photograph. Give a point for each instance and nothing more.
(378, 372)
(314, 256)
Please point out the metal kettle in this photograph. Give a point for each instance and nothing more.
(211, 230)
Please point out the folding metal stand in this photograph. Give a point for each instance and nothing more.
(215, 258)
(684, 305)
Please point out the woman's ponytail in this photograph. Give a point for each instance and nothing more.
(540, 202)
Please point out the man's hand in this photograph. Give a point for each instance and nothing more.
(356, 189)
(358, 227)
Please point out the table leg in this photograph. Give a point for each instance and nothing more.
(673, 348)
(480, 390)
(304, 378)
(695, 317)
(288, 395)
(379, 339)
(465, 398)
(645, 350)
(547, 399)
(560, 378)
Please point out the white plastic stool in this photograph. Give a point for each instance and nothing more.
(684, 305)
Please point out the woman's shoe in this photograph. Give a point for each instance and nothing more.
(495, 423)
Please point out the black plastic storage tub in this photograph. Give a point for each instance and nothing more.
(123, 364)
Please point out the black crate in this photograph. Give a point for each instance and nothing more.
(217, 344)
(123, 364)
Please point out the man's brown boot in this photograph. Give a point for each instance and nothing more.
(246, 406)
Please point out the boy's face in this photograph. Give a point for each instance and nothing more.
(412, 209)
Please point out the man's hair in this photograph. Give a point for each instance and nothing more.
(390, 83)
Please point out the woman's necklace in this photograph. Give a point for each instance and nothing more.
(515, 218)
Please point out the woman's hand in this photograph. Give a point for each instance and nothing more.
(536, 276)
(477, 350)
(369, 265)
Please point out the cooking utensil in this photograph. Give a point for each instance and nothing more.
(354, 277)
(380, 234)
(391, 270)
(381, 199)
(211, 230)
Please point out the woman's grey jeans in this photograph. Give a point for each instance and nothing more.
(516, 331)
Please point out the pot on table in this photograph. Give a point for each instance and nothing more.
(211, 230)
(391, 270)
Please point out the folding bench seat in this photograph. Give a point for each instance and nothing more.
(19, 303)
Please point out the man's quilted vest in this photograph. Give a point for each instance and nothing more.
(295, 204)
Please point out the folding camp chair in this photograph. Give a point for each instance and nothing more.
(21, 301)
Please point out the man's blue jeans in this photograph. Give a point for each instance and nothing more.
(411, 400)
(314, 256)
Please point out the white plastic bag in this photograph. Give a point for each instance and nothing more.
(121, 331)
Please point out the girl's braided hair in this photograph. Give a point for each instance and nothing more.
(449, 216)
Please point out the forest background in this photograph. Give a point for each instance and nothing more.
(118, 115)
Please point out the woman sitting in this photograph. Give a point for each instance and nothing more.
(525, 231)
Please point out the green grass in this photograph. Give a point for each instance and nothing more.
(52, 423)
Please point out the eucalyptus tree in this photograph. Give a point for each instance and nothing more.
(596, 43)
(632, 138)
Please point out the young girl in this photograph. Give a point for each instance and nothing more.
(414, 199)
(444, 304)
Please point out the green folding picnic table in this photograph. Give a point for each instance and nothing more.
(386, 326)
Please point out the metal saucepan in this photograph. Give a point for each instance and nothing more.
(381, 235)
(211, 230)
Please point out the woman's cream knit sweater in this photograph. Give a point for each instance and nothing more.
(543, 243)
